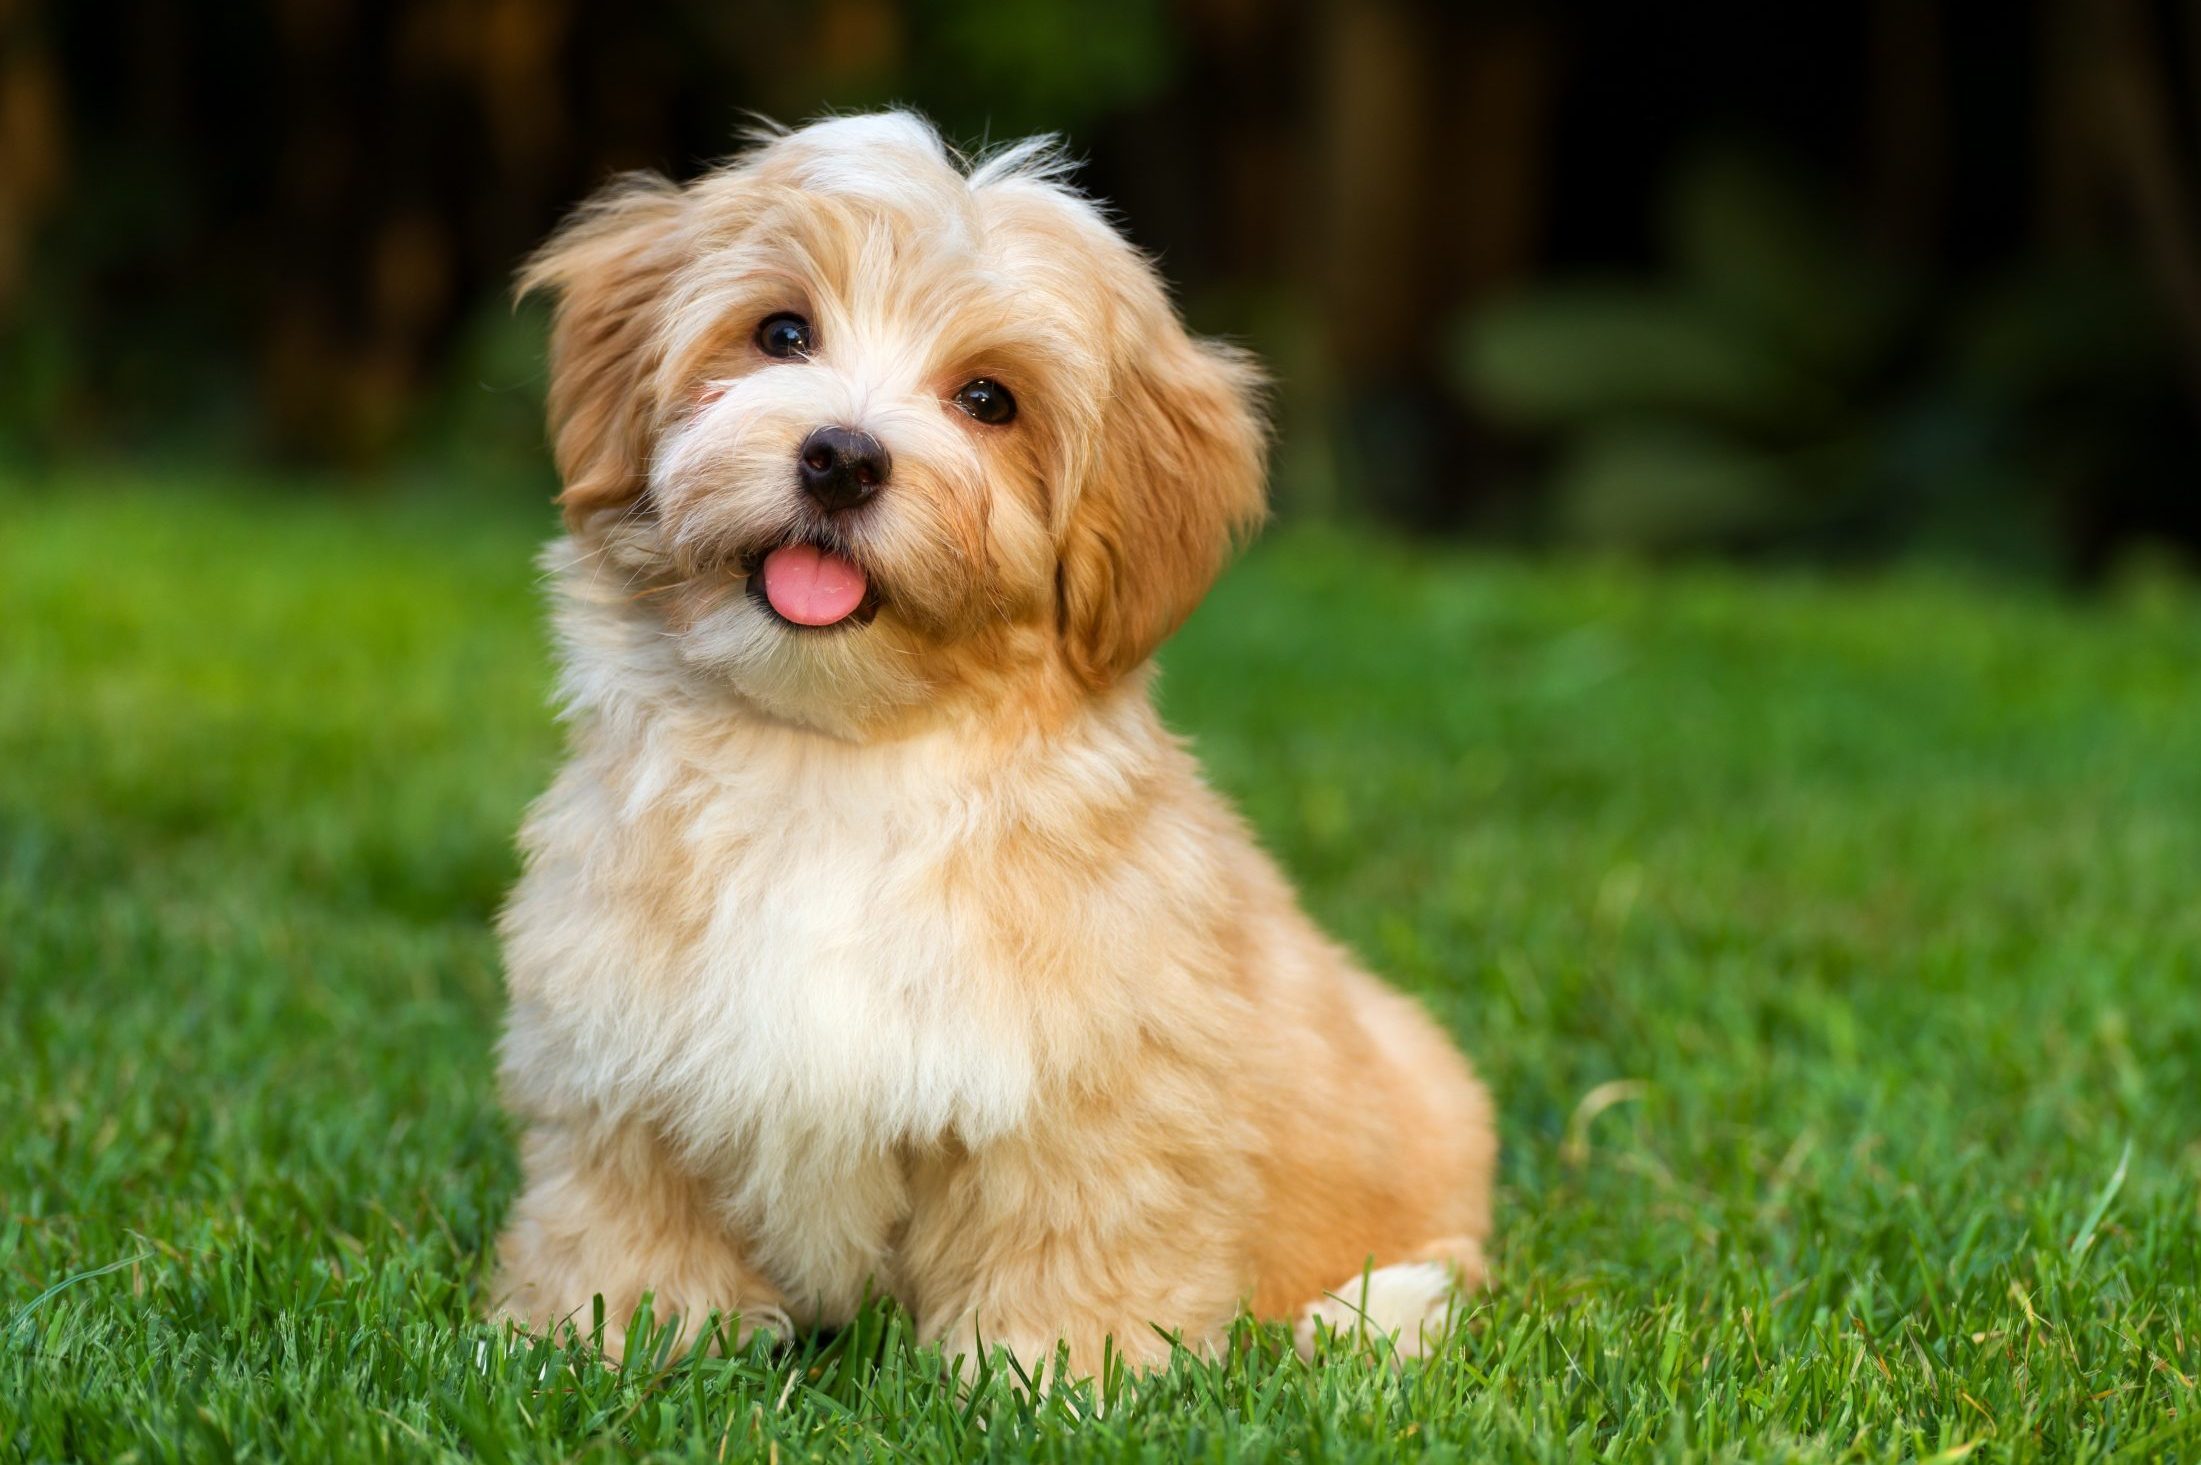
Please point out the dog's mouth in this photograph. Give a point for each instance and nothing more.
(811, 586)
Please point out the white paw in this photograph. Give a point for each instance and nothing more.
(1403, 1309)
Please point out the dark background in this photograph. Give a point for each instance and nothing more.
(1837, 281)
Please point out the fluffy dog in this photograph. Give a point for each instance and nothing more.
(876, 937)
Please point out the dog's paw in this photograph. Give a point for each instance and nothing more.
(1402, 1310)
(713, 1330)
(1040, 1356)
(765, 1318)
(1026, 1356)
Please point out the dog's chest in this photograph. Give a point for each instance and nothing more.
(841, 1007)
(832, 974)
(840, 979)
(796, 998)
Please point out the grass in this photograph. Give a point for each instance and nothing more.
(1834, 949)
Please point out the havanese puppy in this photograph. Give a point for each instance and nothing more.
(876, 937)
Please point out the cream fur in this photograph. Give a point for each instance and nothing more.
(915, 956)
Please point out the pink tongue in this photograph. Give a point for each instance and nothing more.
(811, 587)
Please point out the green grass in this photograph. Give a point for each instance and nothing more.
(1834, 951)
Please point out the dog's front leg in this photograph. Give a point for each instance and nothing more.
(608, 1211)
(1114, 1253)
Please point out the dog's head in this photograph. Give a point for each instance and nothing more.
(870, 430)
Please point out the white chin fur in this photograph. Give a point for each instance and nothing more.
(834, 678)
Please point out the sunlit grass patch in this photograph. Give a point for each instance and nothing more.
(1834, 950)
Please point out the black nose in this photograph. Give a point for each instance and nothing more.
(841, 467)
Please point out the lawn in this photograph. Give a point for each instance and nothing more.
(1833, 947)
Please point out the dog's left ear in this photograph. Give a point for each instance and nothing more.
(1176, 478)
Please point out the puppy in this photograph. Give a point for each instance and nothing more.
(876, 937)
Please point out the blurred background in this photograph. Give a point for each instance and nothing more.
(1854, 282)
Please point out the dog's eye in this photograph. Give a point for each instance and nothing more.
(987, 400)
(784, 335)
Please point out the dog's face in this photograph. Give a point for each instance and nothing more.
(869, 432)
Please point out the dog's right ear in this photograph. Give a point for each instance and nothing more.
(609, 266)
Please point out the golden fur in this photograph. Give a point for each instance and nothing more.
(915, 956)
